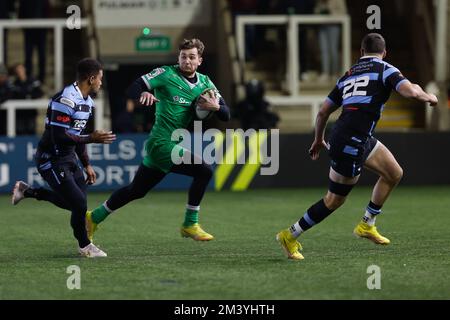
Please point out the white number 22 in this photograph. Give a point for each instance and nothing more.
(357, 83)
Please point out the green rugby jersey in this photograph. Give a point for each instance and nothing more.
(175, 94)
(174, 110)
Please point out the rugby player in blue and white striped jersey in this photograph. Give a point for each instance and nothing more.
(361, 93)
(61, 144)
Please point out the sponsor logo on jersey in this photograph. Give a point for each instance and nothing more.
(63, 119)
(180, 100)
(67, 102)
(79, 124)
(155, 73)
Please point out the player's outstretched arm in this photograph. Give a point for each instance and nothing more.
(138, 91)
(321, 121)
(135, 89)
(62, 136)
(414, 91)
(100, 136)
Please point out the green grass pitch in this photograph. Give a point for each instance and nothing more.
(148, 259)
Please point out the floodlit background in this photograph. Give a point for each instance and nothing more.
(292, 52)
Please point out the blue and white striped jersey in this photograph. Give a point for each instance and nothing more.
(68, 113)
(362, 93)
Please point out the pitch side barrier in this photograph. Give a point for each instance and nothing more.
(239, 160)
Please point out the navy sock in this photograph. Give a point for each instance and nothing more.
(374, 206)
(372, 211)
(315, 214)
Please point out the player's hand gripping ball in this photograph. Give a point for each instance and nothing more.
(206, 104)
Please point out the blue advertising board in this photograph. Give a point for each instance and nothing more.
(114, 164)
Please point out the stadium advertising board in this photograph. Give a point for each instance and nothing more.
(115, 164)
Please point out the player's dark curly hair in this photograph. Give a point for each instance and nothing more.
(373, 43)
(192, 43)
(87, 68)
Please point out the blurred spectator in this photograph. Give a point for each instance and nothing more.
(143, 118)
(329, 36)
(300, 7)
(6, 91)
(6, 87)
(123, 123)
(254, 110)
(34, 38)
(448, 97)
(245, 7)
(135, 118)
(25, 88)
(6, 9)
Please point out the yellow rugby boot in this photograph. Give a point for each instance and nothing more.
(91, 226)
(363, 230)
(196, 232)
(290, 245)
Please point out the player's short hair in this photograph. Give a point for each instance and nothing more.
(373, 43)
(192, 43)
(87, 68)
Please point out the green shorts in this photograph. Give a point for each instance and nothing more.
(159, 154)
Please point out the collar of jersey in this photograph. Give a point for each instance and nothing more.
(75, 84)
(367, 57)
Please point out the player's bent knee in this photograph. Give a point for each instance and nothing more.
(399, 174)
(206, 172)
(395, 176)
(333, 201)
(336, 195)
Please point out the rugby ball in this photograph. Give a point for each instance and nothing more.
(200, 113)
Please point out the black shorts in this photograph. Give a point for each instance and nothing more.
(56, 171)
(349, 152)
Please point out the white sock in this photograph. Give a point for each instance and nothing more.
(369, 218)
(295, 230)
(106, 207)
(196, 208)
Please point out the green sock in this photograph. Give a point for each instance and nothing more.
(99, 214)
(190, 217)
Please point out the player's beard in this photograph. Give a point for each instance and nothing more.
(189, 73)
(93, 93)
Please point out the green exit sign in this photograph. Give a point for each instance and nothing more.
(153, 43)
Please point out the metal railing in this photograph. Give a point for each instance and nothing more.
(11, 106)
(57, 25)
(292, 55)
(440, 72)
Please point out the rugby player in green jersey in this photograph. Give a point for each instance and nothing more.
(175, 92)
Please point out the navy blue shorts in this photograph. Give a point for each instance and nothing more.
(64, 176)
(348, 153)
